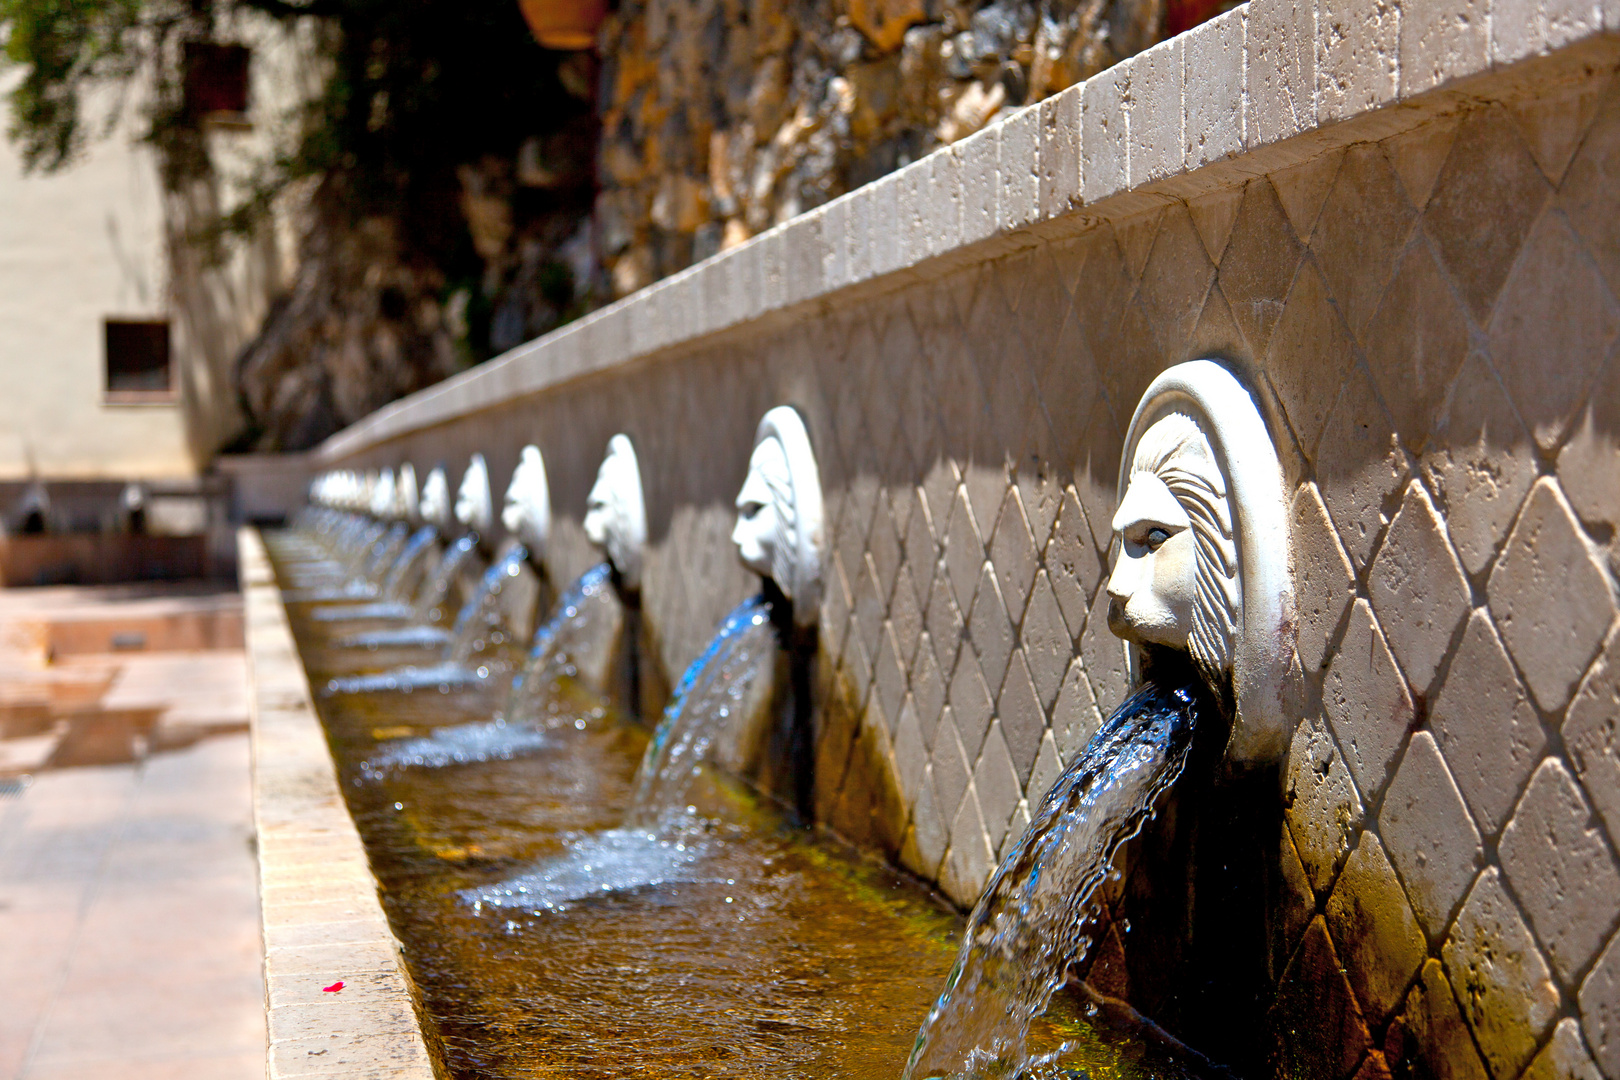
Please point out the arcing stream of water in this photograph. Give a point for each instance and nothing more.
(568, 914)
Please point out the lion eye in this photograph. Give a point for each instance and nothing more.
(751, 510)
(1156, 538)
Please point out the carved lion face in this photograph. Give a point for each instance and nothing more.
(615, 516)
(474, 505)
(527, 509)
(1175, 580)
(765, 515)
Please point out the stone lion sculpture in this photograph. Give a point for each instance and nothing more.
(779, 531)
(1203, 564)
(475, 507)
(434, 506)
(526, 512)
(615, 511)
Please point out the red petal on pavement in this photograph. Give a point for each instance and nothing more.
(334, 988)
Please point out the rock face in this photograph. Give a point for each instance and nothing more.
(721, 118)
(360, 327)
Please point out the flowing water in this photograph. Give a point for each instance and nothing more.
(1034, 921)
(759, 949)
(567, 914)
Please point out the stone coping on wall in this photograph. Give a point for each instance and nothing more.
(323, 923)
(1266, 85)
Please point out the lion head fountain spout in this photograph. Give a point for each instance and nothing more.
(616, 512)
(475, 507)
(526, 512)
(434, 505)
(779, 532)
(1203, 553)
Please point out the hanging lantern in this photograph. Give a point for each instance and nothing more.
(564, 24)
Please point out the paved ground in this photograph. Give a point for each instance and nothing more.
(129, 922)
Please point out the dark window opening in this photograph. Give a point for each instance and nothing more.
(216, 79)
(138, 357)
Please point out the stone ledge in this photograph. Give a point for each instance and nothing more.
(1267, 85)
(322, 920)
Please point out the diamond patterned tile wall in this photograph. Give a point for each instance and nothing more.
(1434, 325)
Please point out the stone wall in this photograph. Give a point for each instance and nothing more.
(1424, 299)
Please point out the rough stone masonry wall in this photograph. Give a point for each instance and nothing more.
(1430, 319)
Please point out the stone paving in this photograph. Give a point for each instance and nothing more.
(129, 913)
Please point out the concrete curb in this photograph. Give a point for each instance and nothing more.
(323, 922)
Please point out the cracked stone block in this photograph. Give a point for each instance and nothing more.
(1324, 580)
(1417, 588)
(1592, 734)
(1431, 838)
(1324, 811)
(1551, 597)
(1486, 727)
(1502, 982)
(1555, 857)
(1366, 701)
(1373, 926)
(1600, 1009)
(1564, 1057)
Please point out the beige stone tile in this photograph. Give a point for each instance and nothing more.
(1302, 189)
(1156, 145)
(928, 833)
(1488, 166)
(1324, 581)
(970, 858)
(1551, 597)
(945, 625)
(1045, 640)
(1018, 202)
(990, 631)
(1280, 71)
(1485, 727)
(1212, 91)
(1060, 182)
(1564, 1057)
(1561, 870)
(1318, 1019)
(1592, 737)
(1048, 767)
(1075, 716)
(1259, 262)
(1310, 337)
(1415, 343)
(1587, 464)
(1587, 192)
(1103, 655)
(1104, 131)
(1296, 905)
(1417, 588)
(1600, 1009)
(1175, 281)
(1357, 58)
(1075, 568)
(1553, 304)
(1364, 225)
(1555, 121)
(1479, 465)
(970, 701)
(1503, 985)
(1323, 809)
(1014, 554)
(1020, 714)
(1429, 835)
(998, 785)
(964, 554)
(1376, 933)
(1366, 701)
(1213, 214)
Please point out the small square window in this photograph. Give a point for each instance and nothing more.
(138, 358)
(216, 79)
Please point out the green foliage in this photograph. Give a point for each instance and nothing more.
(67, 46)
